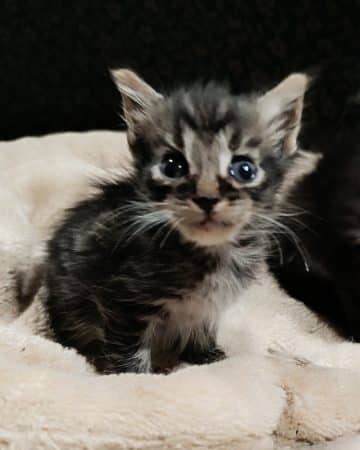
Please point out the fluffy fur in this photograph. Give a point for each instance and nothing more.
(138, 275)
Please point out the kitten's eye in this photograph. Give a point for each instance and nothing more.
(242, 169)
(174, 165)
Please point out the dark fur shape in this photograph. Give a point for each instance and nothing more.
(328, 233)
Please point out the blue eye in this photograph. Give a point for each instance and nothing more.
(174, 165)
(242, 169)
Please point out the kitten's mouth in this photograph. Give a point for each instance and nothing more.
(209, 224)
(209, 231)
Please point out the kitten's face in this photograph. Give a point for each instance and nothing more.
(211, 163)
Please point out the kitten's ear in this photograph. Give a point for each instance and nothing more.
(281, 109)
(136, 95)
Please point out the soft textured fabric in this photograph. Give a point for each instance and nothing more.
(289, 380)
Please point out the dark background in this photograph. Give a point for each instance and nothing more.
(54, 55)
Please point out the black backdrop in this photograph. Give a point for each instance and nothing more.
(54, 55)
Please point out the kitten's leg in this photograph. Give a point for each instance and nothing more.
(123, 350)
(122, 358)
(195, 353)
(113, 345)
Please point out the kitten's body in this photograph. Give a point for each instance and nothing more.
(168, 292)
(138, 275)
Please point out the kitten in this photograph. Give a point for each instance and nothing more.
(138, 275)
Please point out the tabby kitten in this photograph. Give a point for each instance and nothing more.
(138, 274)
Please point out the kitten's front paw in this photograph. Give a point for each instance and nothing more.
(139, 362)
(203, 356)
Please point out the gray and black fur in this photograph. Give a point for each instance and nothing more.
(138, 275)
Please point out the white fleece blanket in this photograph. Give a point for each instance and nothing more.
(289, 382)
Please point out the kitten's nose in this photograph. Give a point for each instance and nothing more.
(206, 203)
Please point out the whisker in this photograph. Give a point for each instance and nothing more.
(141, 223)
(289, 233)
(279, 249)
(172, 228)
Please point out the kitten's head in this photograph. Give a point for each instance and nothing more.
(209, 161)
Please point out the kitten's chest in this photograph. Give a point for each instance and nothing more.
(202, 305)
(192, 319)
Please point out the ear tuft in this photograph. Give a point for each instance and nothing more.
(136, 95)
(281, 109)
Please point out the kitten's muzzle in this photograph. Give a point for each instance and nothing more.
(207, 204)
